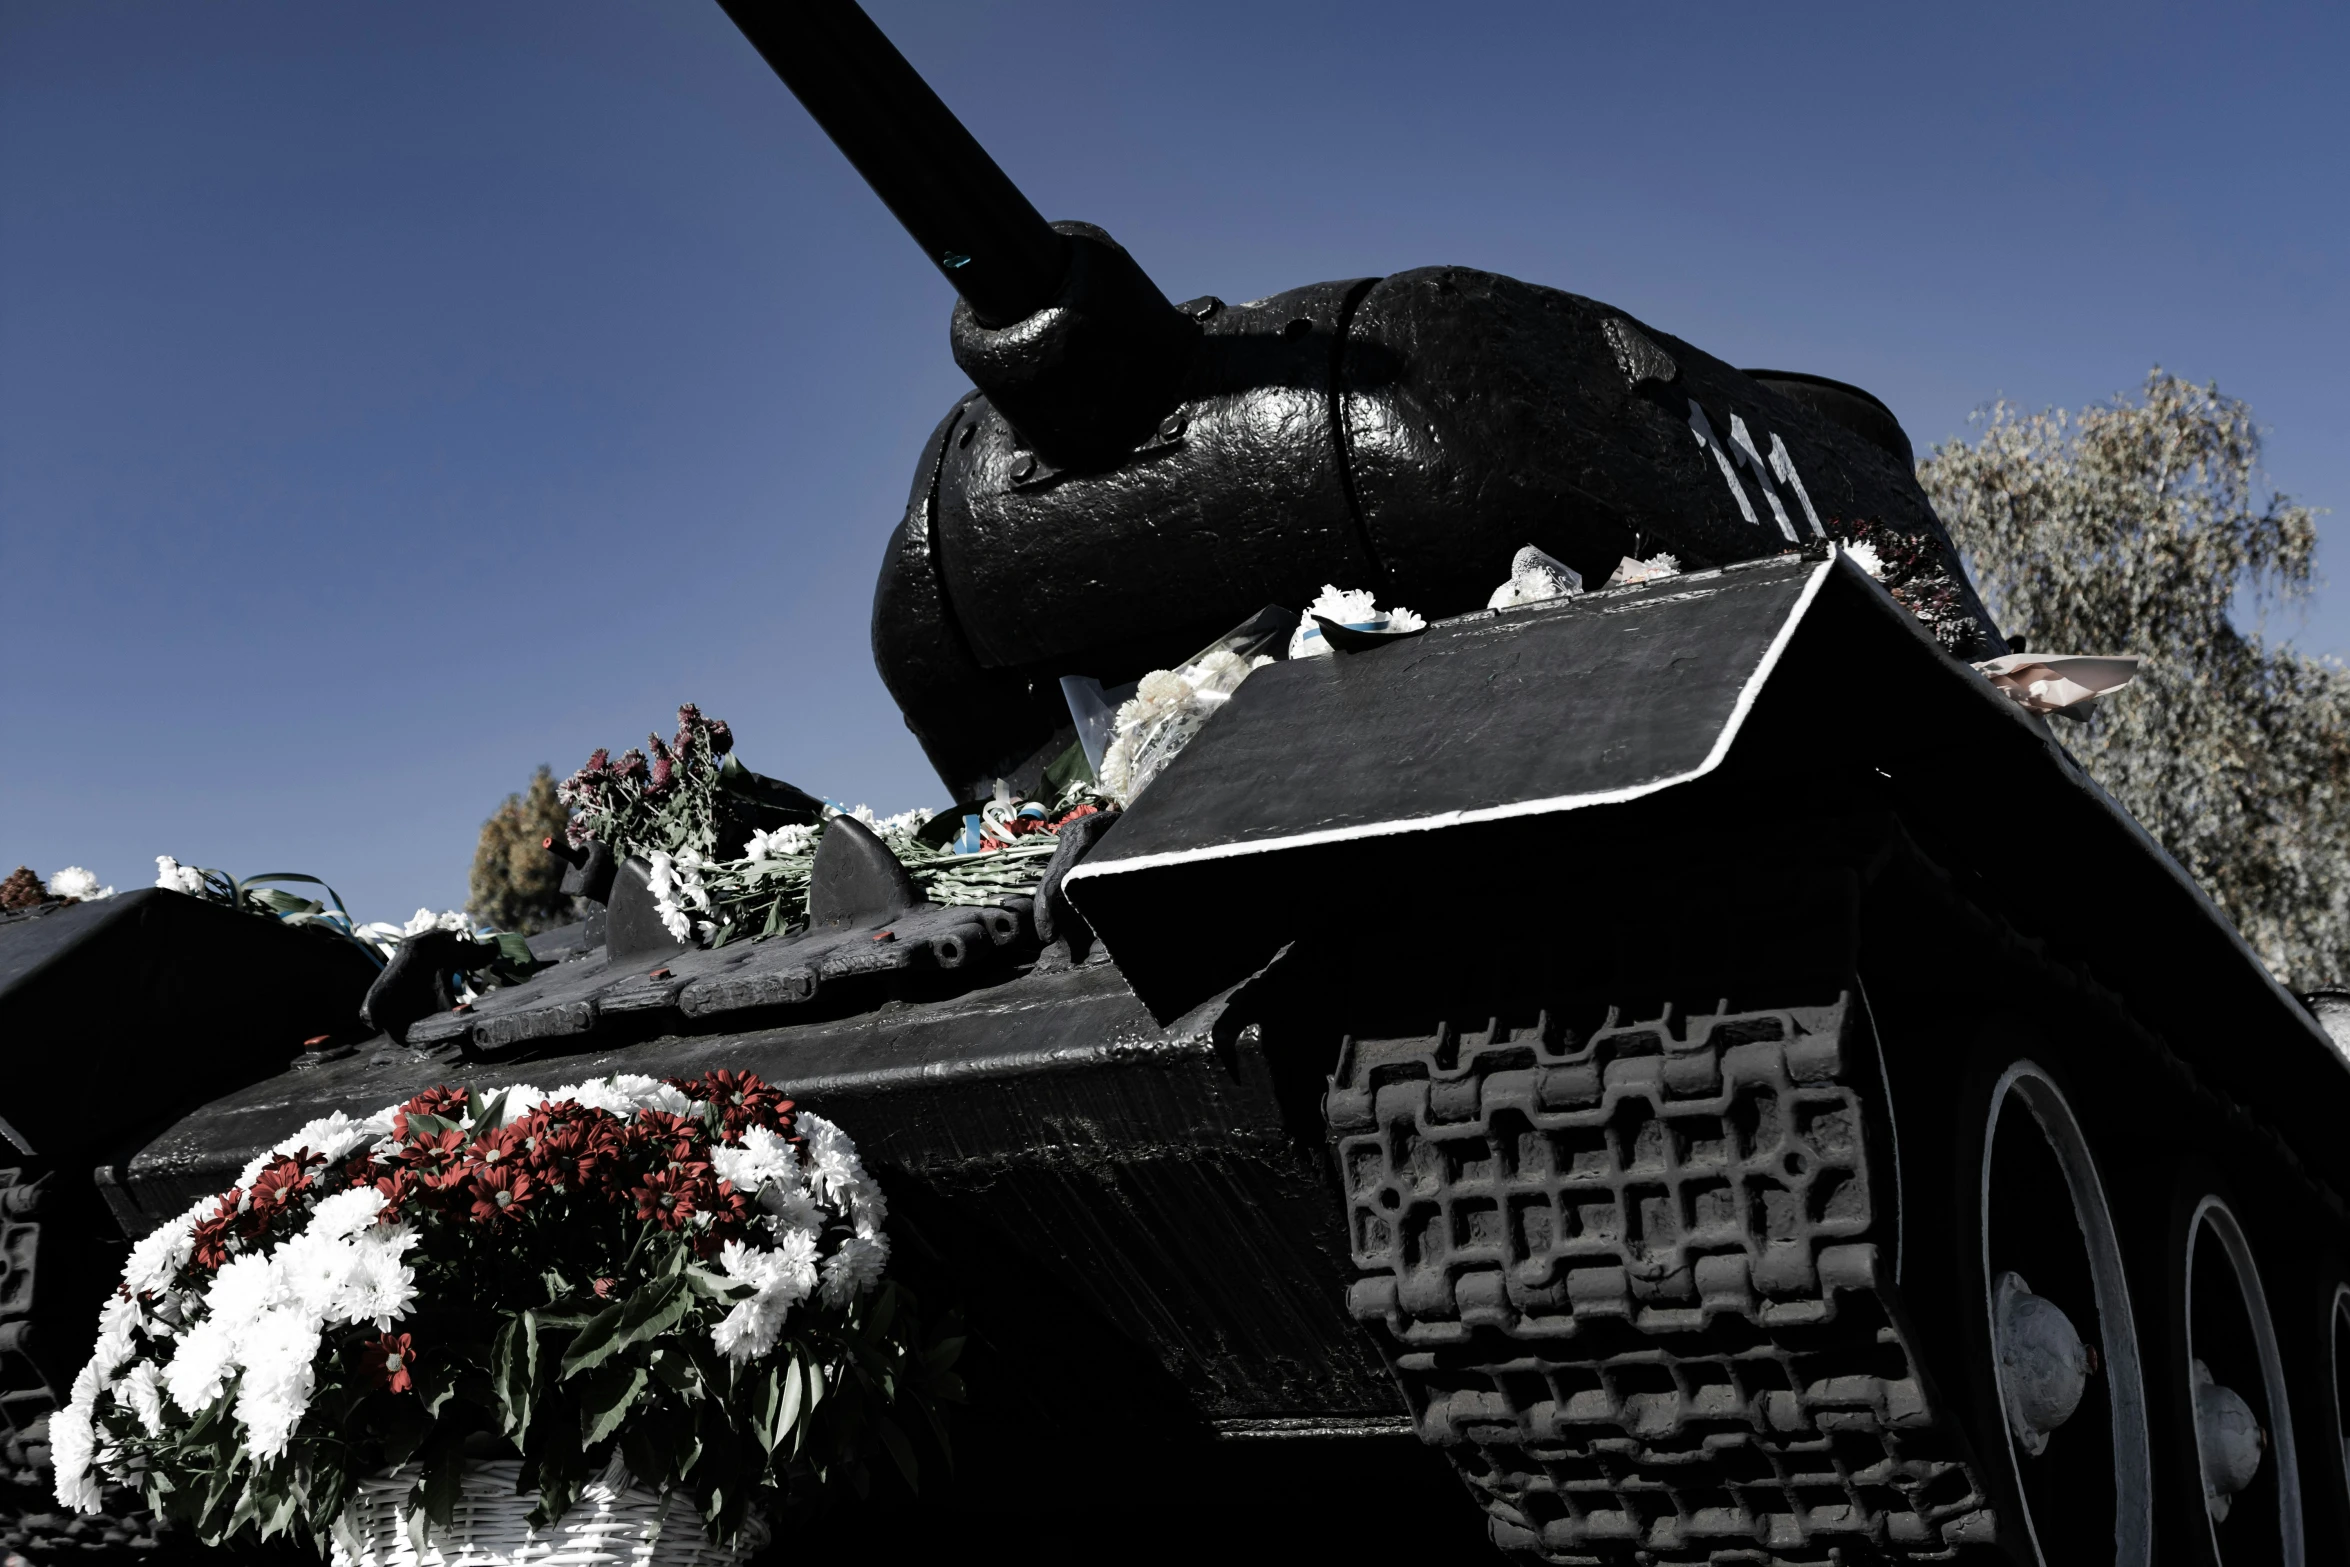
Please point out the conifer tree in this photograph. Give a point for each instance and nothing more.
(517, 884)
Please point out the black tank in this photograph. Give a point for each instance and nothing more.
(1685, 1073)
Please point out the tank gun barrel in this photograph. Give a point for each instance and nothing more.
(1070, 341)
(982, 234)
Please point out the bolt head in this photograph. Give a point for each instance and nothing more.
(2043, 1365)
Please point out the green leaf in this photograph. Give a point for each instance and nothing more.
(654, 1310)
(595, 1342)
(942, 1354)
(793, 1398)
(401, 1424)
(514, 1371)
(485, 1113)
(606, 1398)
(902, 1451)
(424, 1124)
(718, 1286)
(444, 1478)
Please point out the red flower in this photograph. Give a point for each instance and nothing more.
(213, 1235)
(389, 1360)
(499, 1192)
(659, 1132)
(743, 1099)
(450, 1104)
(667, 1197)
(282, 1182)
(603, 1288)
(438, 1161)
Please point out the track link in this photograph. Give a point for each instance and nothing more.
(1628, 1284)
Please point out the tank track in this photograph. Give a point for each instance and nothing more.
(1628, 1285)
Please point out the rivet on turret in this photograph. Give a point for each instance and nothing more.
(1201, 308)
(963, 436)
(1023, 465)
(1172, 425)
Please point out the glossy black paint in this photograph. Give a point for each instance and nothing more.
(1407, 434)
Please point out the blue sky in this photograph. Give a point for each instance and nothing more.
(393, 398)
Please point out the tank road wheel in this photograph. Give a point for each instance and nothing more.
(2337, 1342)
(2235, 1424)
(2066, 1378)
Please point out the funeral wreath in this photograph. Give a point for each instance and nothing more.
(673, 1288)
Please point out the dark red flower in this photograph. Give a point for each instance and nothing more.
(675, 1137)
(389, 1360)
(283, 1181)
(499, 1192)
(721, 737)
(449, 1104)
(742, 1099)
(667, 1196)
(599, 761)
(630, 765)
(213, 1235)
(603, 1288)
(439, 1161)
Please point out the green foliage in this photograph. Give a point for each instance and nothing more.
(2137, 527)
(517, 884)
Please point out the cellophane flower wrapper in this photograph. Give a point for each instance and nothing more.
(690, 1275)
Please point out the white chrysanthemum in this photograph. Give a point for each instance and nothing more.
(159, 1255)
(1349, 608)
(903, 825)
(73, 1446)
(1118, 765)
(382, 1285)
(171, 875)
(1400, 619)
(448, 919)
(853, 1270)
(337, 1136)
(142, 1393)
(344, 1214)
(1865, 556)
(833, 1165)
(1162, 690)
(74, 882)
(200, 1366)
(783, 1275)
(763, 1158)
(597, 1093)
(115, 1345)
(278, 1379)
(783, 843)
(650, 1093)
(314, 1272)
(244, 1288)
(837, 1175)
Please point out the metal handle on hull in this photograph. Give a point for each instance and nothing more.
(973, 223)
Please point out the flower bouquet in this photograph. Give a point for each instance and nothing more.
(626, 1310)
(730, 857)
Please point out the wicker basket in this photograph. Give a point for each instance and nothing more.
(614, 1521)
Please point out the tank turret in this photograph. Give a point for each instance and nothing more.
(1129, 478)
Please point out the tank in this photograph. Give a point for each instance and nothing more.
(1686, 1072)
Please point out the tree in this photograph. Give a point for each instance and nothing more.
(517, 884)
(2136, 527)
